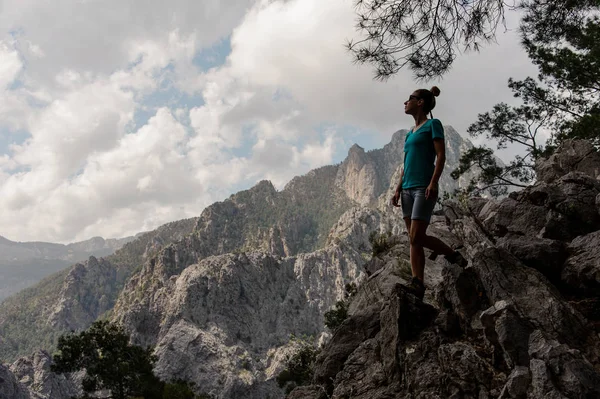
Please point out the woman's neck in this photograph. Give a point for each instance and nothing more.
(420, 119)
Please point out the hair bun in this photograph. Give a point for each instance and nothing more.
(435, 91)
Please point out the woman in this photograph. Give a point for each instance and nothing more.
(424, 158)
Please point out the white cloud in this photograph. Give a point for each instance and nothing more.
(98, 35)
(87, 119)
(146, 169)
(13, 102)
(10, 66)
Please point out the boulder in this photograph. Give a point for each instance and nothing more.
(517, 384)
(571, 155)
(543, 254)
(559, 371)
(345, 340)
(581, 273)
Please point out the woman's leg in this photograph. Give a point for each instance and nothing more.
(407, 223)
(421, 212)
(417, 253)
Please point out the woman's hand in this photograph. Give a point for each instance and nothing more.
(396, 197)
(431, 191)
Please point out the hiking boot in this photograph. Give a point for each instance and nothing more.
(457, 259)
(417, 288)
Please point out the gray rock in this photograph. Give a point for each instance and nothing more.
(466, 370)
(572, 155)
(560, 210)
(577, 213)
(462, 292)
(402, 318)
(357, 176)
(308, 392)
(362, 375)
(84, 295)
(225, 322)
(508, 331)
(581, 272)
(517, 384)
(534, 298)
(34, 373)
(545, 255)
(10, 387)
(510, 216)
(566, 370)
(354, 228)
(542, 385)
(349, 336)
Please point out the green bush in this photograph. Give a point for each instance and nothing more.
(380, 242)
(112, 363)
(178, 389)
(299, 370)
(335, 317)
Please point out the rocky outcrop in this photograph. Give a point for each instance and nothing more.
(10, 387)
(284, 223)
(573, 156)
(517, 322)
(87, 292)
(224, 322)
(581, 274)
(33, 372)
(30, 378)
(357, 176)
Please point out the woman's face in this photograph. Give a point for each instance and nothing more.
(412, 105)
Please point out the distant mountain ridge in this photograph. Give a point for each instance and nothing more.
(98, 246)
(23, 264)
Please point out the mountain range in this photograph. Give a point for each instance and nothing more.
(222, 295)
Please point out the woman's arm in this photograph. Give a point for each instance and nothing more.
(440, 160)
(396, 196)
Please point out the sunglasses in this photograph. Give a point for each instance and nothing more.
(411, 97)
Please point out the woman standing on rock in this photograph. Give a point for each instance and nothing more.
(424, 158)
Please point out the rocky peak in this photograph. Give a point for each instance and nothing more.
(357, 176)
(87, 292)
(355, 150)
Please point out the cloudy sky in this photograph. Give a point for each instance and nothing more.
(117, 116)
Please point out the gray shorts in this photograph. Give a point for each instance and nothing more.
(415, 206)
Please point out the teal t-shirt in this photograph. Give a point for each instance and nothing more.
(419, 154)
